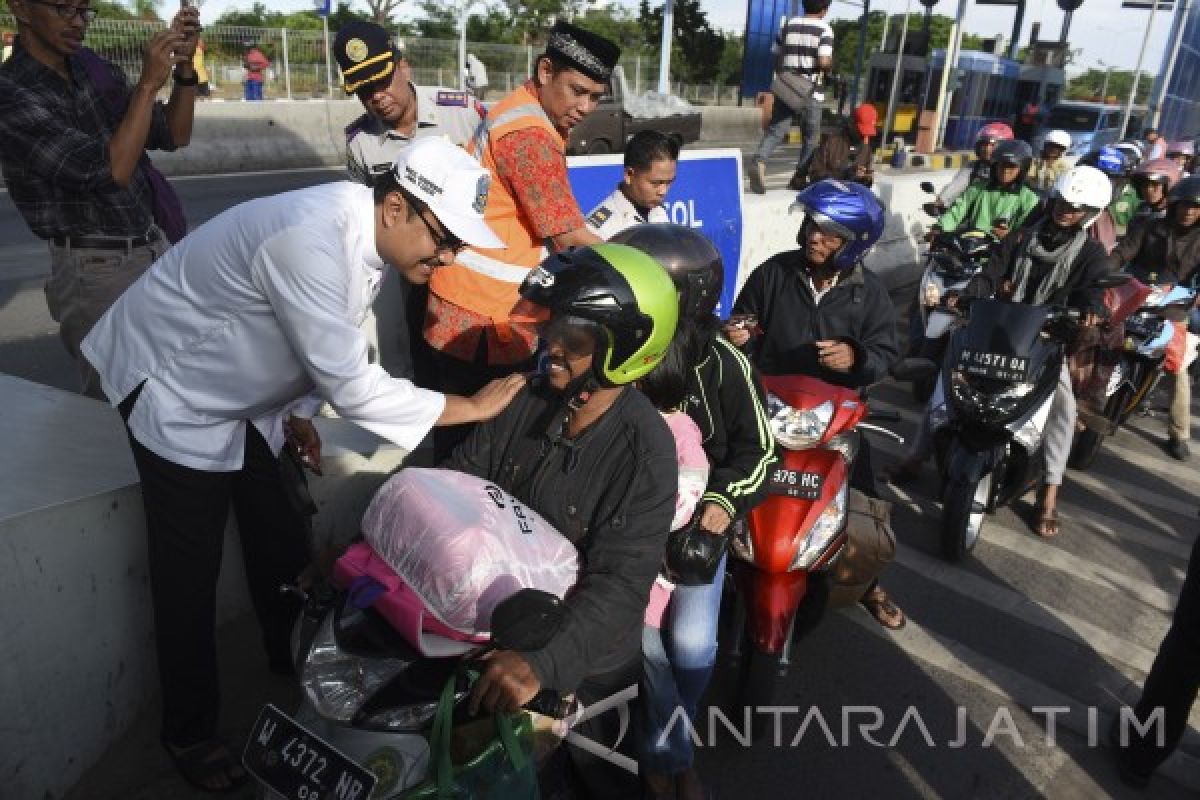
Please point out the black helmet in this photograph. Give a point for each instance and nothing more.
(691, 260)
(621, 290)
(1187, 191)
(1013, 152)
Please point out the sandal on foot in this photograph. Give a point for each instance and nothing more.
(200, 764)
(1047, 523)
(886, 613)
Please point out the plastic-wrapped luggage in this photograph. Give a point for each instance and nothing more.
(463, 544)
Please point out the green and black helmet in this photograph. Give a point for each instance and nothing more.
(624, 292)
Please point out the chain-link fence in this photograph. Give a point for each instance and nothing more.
(298, 67)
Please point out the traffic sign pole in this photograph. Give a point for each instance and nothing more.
(1137, 72)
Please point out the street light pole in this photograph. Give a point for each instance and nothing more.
(1104, 90)
(664, 57)
(951, 63)
(1137, 71)
(862, 44)
(890, 119)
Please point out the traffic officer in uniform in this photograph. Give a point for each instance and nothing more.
(376, 71)
(226, 347)
(473, 322)
(651, 161)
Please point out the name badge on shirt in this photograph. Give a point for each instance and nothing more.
(600, 216)
(459, 99)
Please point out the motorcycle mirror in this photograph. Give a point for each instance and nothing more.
(930, 209)
(527, 620)
(1112, 281)
(913, 369)
(927, 187)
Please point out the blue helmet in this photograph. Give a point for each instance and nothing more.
(848, 210)
(1109, 160)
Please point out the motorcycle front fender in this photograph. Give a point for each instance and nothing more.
(771, 600)
(966, 465)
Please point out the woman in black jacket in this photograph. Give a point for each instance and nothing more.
(595, 459)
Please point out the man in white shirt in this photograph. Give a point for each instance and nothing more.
(244, 329)
(651, 161)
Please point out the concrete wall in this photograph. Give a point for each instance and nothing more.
(283, 134)
(75, 619)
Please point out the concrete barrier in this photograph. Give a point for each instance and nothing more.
(287, 134)
(731, 124)
(75, 625)
(240, 137)
(769, 227)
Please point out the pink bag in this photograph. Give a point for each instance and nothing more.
(372, 583)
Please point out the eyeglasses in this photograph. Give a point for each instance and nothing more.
(68, 11)
(442, 242)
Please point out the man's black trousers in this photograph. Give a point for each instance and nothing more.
(186, 513)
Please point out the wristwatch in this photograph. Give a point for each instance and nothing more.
(194, 80)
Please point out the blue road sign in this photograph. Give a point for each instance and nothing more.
(707, 195)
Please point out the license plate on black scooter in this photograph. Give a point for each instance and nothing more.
(295, 763)
(794, 483)
(994, 366)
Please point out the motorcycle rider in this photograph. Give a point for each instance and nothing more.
(1051, 261)
(1050, 164)
(596, 459)
(725, 399)
(978, 170)
(999, 204)
(1167, 250)
(1152, 181)
(1118, 167)
(1182, 153)
(823, 313)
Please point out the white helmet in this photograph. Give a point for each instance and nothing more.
(1087, 187)
(1058, 137)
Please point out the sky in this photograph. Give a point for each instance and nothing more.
(1106, 32)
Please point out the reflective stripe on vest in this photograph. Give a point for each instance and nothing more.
(493, 268)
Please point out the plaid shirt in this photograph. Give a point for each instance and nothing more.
(54, 138)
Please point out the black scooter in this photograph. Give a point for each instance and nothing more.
(990, 408)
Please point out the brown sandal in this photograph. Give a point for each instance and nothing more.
(1047, 523)
(886, 613)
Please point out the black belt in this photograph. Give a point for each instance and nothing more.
(106, 242)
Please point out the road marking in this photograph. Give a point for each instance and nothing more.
(1027, 545)
(1029, 611)
(1137, 497)
(961, 661)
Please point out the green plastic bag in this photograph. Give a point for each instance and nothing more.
(503, 770)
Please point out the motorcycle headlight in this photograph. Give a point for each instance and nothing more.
(828, 525)
(988, 406)
(798, 430)
(337, 683)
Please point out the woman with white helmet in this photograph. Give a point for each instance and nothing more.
(1054, 262)
(1050, 165)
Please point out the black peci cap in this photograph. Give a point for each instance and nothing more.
(365, 53)
(590, 53)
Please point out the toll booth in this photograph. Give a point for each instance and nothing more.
(986, 91)
(910, 93)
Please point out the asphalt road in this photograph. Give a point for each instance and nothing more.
(1023, 624)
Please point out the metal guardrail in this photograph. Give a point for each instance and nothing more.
(297, 58)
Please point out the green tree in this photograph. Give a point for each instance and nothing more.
(1089, 85)
(696, 49)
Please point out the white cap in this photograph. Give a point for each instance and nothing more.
(455, 187)
(1060, 138)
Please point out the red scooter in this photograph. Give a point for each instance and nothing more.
(785, 551)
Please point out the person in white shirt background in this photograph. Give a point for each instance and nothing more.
(651, 162)
(246, 327)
